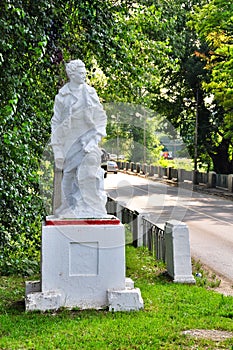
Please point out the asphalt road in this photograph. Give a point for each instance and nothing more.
(209, 218)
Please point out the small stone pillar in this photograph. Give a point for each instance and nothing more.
(152, 170)
(211, 179)
(230, 183)
(161, 171)
(138, 229)
(178, 257)
(132, 166)
(138, 168)
(169, 173)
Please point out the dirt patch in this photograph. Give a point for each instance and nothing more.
(210, 334)
(225, 288)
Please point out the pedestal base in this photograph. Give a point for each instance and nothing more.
(128, 299)
(83, 266)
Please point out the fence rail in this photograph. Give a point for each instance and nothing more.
(169, 242)
(222, 181)
(154, 238)
(210, 179)
(145, 232)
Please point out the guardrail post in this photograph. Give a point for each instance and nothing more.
(180, 175)
(111, 206)
(152, 170)
(178, 257)
(119, 210)
(230, 182)
(138, 229)
(126, 166)
(169, 173)
(132, 166)
(160, 243)
(212, 178)
(138, 168)
(160, 171)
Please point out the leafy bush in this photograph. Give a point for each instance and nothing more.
(20, 255)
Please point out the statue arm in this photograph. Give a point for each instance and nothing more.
(58, 116)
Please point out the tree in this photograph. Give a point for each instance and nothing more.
(180, 74)
(213, 23)
(131, 131)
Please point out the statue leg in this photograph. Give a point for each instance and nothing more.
(89, 179)
(67, 192)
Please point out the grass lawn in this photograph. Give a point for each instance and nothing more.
(169, 310)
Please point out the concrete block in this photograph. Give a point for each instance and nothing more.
(49, 300)
(211, 179)
(125, 300)
(129, 283)
(32, 287)
(230, 183)
(178, 256)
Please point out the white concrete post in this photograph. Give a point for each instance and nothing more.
(111, 206)
(230, 183)
(119, 209)
(211, 179)
(138, 230)
(180, 175)
(178, 257)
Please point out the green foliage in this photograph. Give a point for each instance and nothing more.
(213, 23)
(204, 277)
(21, 254)
(131, 131)
(26, 95)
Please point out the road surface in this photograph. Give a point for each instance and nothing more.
(209, 218)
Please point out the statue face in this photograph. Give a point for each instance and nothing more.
(79, 76)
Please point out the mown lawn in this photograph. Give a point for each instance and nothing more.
(169, 310)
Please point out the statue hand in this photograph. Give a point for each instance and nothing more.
(59, 162)
(90, 145)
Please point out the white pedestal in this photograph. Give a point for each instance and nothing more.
(81, 263)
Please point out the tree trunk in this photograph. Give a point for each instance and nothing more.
(220, 157)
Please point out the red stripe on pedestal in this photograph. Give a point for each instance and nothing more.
(63, 222)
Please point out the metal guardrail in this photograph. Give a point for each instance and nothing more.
(154, 238)
(180, 175)
(169, 242)
(145, 232)
(222, 180)
(202, 177)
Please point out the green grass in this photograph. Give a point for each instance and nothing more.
(169, 309)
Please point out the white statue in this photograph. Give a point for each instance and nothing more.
(78, 124)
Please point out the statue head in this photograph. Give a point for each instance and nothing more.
(73, 66)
